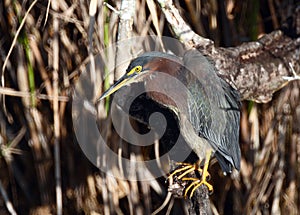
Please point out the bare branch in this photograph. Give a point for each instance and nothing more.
(56, 119)
(256, 69)
(126, 15)
(180, 28)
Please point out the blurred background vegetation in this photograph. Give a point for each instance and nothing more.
(37, 140)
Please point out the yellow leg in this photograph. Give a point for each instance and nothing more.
(197, 182)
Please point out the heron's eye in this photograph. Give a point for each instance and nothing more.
(135, 70)
(138, 69)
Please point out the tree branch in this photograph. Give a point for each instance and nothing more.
(180, 28)
(199, 203)
(126, 15)
(256, 69)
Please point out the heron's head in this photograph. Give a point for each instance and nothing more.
(139, 69)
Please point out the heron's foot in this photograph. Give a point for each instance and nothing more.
(196, 184)
(204, 178)
(185, 169)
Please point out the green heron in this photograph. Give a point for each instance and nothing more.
(207, 107)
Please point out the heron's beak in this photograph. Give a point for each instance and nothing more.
(123, 81)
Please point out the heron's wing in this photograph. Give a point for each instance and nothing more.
(230, 137)
(213, 107)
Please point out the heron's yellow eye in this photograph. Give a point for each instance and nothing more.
(136, 70)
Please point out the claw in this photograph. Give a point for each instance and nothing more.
(198, 184)
(204, 178)
(188, 168)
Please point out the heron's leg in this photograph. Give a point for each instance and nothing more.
(197, 182)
